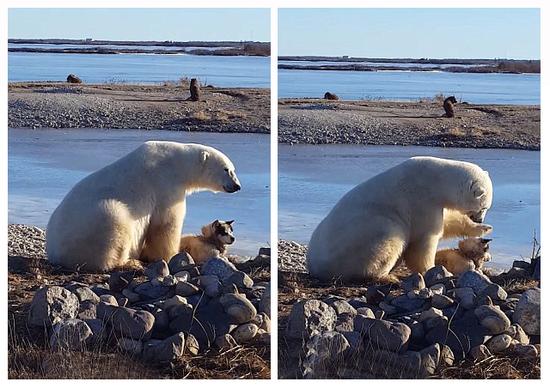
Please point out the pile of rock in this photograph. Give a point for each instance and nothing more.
(178, 307)
(411, 329)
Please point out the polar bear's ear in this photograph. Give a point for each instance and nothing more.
(204, 156)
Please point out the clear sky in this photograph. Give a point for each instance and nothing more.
(415, 33)
(140, 24)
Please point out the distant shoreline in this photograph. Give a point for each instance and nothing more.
(221, 48)
(506, 66)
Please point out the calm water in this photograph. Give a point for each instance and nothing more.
(43, 165)
(110, 46)
(339, 63)
(313, 178)
(230, 71)
(520, 89)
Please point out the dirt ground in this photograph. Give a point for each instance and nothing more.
(318, 121)
(126, 106)
(30, 357)
(298, 285)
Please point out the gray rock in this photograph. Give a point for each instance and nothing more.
(474, 280)
(70, 334)
(84, 293)
(265, 301)
(480, 352)
(245, 332)
(310, 317)
(120, 280)
(417, 331)
(341, 307)
(435, 275)
(186, 289)
(323, 350)
(192, 345)
(525, 350)
(182, 276)
(165, 351)
(465, 296)
(52, 304)
(430, 358)
(373, 296)
(221, 268)
(516, 332)
(133, 297)
(136, 324)
(406, 304)
(210, 284)
(493, 319)
(432, 312)
(180, 262)
(239, 279)
(130, 346)
(344, 323)
(435, 321)
(157, 269)
(499, 343)
(98, 329)
(108, 299)
(495, 292)
(447, 356)
(240, 309)
(383, 334)
(225, 342)
(148, 290)
(441, 301)
(425, 293)
(169, 281)
(527, 313)
(388, 309)
(365, 311)
(87, 310)
(438, 289)
(414, 282)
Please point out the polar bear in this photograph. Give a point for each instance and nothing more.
(400, 213)
(134, 208)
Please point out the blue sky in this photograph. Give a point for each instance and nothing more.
(141, 24)
(416, 33)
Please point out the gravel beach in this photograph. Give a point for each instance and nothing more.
(317, 121)
(125, 106)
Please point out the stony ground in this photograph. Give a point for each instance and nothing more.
(317, 121)
(30, 354)
(296, 286)
(125, 106)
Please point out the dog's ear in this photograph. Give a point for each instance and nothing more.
(229, 222)
(216, 223)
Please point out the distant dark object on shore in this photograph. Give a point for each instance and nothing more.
(195, 90)
(448, 106)
(73, 79)
(331, 96)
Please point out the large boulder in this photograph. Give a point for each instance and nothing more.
(52, 304)
(527, 313)
(164, 351)
(70, 334)
(310, 317)
(127, 322)
(382, 334)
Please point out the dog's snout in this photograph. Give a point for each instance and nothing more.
(236, 187)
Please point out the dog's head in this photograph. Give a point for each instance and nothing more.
(220, 230)
(474, 246)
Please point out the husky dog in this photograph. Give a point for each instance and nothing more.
(471, 254)
(211, 243)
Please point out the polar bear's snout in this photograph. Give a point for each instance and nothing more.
(478, 216)
(233, 185)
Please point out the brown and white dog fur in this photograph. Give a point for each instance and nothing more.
(471, 254)
(211, 243)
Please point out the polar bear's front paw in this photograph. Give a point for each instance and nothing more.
(482, 229)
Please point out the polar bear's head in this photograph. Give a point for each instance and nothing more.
(478, 194)
(217, 172)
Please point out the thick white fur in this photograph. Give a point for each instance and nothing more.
(400, 214)
(134, 208)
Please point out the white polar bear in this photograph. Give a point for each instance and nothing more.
(134, 208)
(400, 213)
